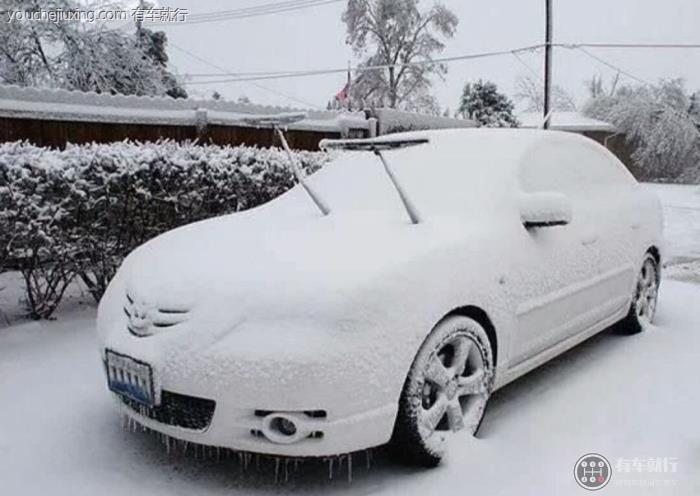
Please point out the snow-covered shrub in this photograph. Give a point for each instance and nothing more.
(78, 212)
(657, 123)
(35, 226)
(691, 175)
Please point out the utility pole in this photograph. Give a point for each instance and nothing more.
(549, 32)
(349, 86)
(139, 17)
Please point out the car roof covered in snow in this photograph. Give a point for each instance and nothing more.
(490, 140)
(457, 170)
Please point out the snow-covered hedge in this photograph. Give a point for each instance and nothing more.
(76, 213)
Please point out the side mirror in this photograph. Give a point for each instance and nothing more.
(545, 209)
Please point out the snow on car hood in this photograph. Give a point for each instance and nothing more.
(275, 260)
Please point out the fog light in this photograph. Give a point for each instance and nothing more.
(285, 426)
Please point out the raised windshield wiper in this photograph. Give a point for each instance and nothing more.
(277, 122)
(378, 146)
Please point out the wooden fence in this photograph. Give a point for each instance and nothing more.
(57, 133)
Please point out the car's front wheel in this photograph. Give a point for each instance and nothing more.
(446, 391)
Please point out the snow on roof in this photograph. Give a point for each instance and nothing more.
(59, 104)
(391, 120)
(565, 121)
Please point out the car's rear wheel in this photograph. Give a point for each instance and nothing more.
(646, 292)
(446, 391)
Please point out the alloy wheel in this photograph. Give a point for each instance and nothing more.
(647, 292)
(455, 389)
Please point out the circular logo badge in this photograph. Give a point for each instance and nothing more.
(592, 472)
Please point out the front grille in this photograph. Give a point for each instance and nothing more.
(146, 319)
(178, 410)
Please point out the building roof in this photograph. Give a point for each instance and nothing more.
(566, 121)
(59, 104)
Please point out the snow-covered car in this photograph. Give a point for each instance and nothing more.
(429, 273)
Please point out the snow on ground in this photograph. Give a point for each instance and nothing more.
(682, 214)
(623, 397)
(682, 220)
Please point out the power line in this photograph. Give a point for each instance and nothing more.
(224, 15)
(627, 45)
(261, 10)
(265, 75)
(252, 77)
(289, 4)
(242, 73)
(527, 66)
(612, 66)
(675, 112)
(260, 86)
(296, 74)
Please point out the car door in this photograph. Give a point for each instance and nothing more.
(607, 195)
(572, 277)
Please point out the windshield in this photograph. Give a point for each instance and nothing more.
(357, 182)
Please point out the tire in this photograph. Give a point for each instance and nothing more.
(447, 388)
(646, 292)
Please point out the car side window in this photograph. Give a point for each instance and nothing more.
(571, 168)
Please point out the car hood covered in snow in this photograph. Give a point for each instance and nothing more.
(251, 263)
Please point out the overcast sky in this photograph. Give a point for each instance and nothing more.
(315, 38)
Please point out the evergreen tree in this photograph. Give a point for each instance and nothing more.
(694, 109)
(154, 43)
(482, 103)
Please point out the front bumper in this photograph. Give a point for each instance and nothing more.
(239, 428)
(340, 390)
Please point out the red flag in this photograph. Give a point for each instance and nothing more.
(343, 95)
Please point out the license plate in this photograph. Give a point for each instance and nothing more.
(130, 377)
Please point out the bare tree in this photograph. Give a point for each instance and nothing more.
(596, 86)
(107, 61)
(530, 93)
(79, 55)
(24, 58)
(394, 33)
